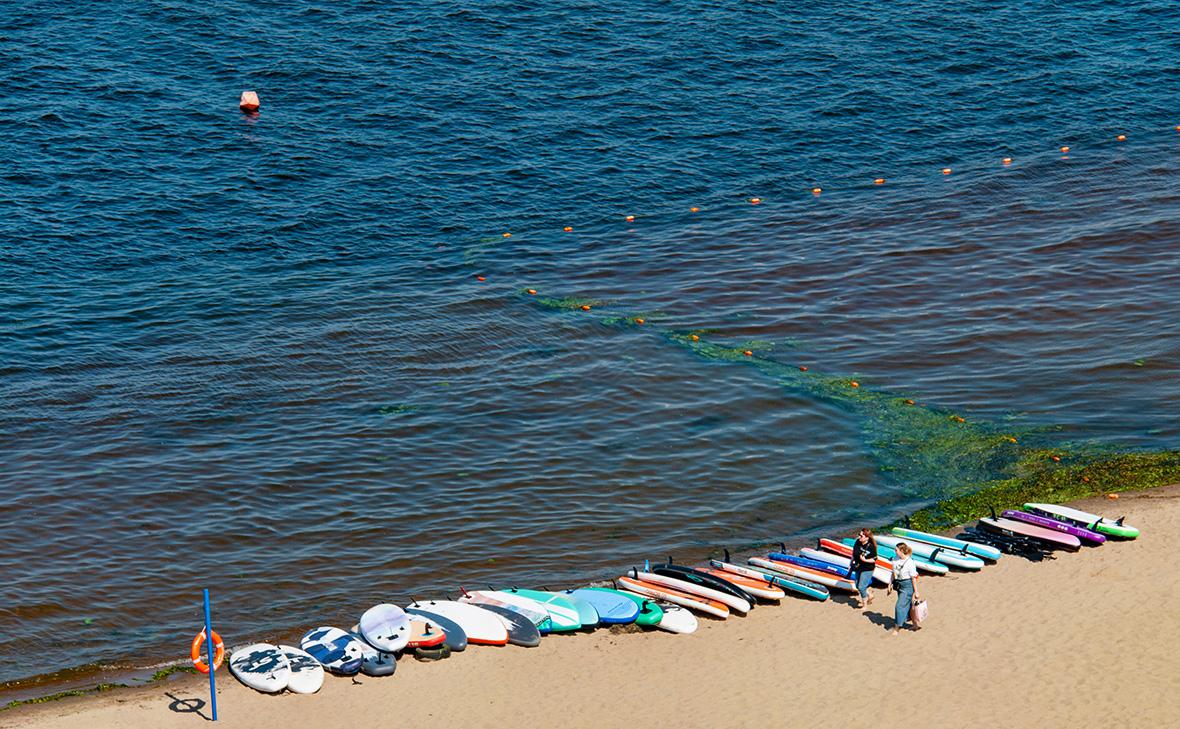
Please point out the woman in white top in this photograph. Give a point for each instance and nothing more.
(905, 581)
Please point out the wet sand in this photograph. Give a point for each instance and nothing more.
(1081, 638)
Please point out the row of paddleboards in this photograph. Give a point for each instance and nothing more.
(665, 596)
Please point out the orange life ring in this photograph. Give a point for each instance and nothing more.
(198, 656)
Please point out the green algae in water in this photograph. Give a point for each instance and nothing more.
(399, 409)
(934, 453)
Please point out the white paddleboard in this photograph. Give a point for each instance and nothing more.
(481, 626)
(385, 627)
(307, 675)
(262, 667)
(677, 619)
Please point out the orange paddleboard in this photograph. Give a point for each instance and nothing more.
(424, 635)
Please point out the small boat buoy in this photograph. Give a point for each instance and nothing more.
(1121, 137)
(854, 383)
(695, 338)
(748, 353)
(946, 170)
(802, 368)
(816, 190)
(1055, 459)
(480, 278)
(585, 307)
(568, 229)
(755, 200)
(532, 292)
(638, 321)
(507, 235)
(249, 102)
(879, 181)
(1064, 150)
(958, 419)
(1007, 160)
(694, 210)
(909, 402)
(630, 218)
(1011, 439)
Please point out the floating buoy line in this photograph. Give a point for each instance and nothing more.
(815, 191)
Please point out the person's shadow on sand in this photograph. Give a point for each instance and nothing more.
(879, 619)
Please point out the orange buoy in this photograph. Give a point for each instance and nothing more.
(532, 292)
(630, 218)
(1055, 459)
(507, 235)
(694, 210)
(198, 656)
(638, 321)
(695, 338)
(1064, 150)
(1086, 479)
(748, 353)
(854, 383)
(802, 368)
(879, 181)
(1113, 497)
(249, 102)
(946, 170)
(585, 307)
(1011, 439)
(568, 229)
(909, 402)
(958, 419)
(755, 200)
(1178, 127)
(1007, 160)
(480, 278)
(816, 190)
(1121, 137)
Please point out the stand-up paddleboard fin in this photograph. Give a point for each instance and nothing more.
(725, 551)
(783, 546)
(1094, 527)
(934, 554)
(614, 584)
(463, 590)
(1119, 521)
(635, 573)
(646, 567)
(669, 559)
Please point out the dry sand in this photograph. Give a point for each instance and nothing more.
(1089, 639)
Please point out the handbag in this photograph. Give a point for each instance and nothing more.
(919, 611)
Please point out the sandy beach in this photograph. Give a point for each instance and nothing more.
(1081, 638)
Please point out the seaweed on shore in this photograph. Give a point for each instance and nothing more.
(99, 688)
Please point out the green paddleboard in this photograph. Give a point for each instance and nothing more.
(649, 612)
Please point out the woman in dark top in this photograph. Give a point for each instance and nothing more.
(864, 560)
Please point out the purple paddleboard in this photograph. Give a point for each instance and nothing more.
(1046, 522)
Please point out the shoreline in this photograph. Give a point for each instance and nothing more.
(1063, 483)
(794, 642)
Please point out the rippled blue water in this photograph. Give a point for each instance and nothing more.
(252, 352)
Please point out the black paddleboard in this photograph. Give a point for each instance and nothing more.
(456, 638)
(521, 630)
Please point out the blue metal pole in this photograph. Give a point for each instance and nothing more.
(209, 643)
